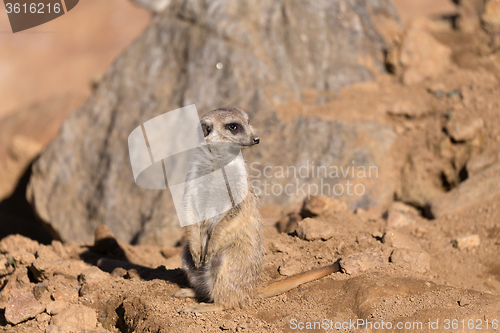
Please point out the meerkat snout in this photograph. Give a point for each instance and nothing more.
(229, 125)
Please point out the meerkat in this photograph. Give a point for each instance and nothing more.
(223, 257)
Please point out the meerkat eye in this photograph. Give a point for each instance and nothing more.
(233, 127)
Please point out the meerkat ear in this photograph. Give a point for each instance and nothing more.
(207, 128)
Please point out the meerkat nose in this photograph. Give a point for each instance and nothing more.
(256, 140)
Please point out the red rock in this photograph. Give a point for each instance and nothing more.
(22, 306)
(363, 261)
(313, 229)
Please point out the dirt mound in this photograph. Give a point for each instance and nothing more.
(391, 275)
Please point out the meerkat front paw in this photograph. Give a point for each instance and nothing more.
(197, 261)
(195, 257)
(210, 254)
(211, 251)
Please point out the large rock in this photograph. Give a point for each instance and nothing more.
(250, 54)
(310, 156)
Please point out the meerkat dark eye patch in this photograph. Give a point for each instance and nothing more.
(207, 128)
(233, 127)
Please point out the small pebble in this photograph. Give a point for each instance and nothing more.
(466, 242)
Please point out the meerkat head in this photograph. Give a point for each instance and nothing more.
(229, 125)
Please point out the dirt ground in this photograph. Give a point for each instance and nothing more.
(406, 268)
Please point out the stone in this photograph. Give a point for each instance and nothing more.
(464, 301)
(422, 56)
(400, 215)
(362, 262)
(22, 306)
(93, 275)
(290, 267)
(472, 192)
(43, 318)
(75, 318)
(40, 290)
(417, 184)
(277, 246)
(314, 229)
(18, 279)
(396, 219)
(466, 242)
(48, 263)
(321, 204)
(104, 240)
(399, 240)
(288, 223)
(491, 15)
(229, 325)
(56, 307)
(169, 252)
(464, 129)
(81, 181)
(90, 279)
(478, 163)
(64, 291)
(119, 272)
(415, 260)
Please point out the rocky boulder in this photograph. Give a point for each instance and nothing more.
(254, 55)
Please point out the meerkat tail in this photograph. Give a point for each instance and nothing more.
(294, 281)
